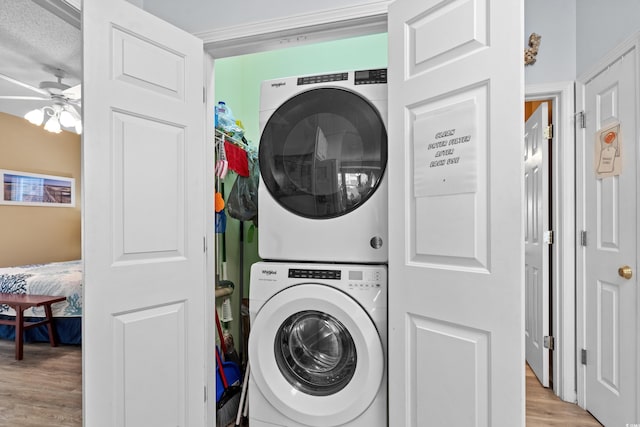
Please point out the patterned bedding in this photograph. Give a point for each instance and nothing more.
(57, 278)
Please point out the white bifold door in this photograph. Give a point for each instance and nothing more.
(456, 177)
(144, 220)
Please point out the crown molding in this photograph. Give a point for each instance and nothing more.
(67, 10)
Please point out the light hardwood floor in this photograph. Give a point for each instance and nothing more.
(45, 389)
(545, 408)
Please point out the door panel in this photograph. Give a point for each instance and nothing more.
(456, 213)
(536, 160)
(143, 220)
(610, 207)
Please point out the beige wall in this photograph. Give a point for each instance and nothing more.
(34, 234)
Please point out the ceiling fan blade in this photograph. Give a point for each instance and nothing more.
(74, 92)
(25, 85)
(26, 98)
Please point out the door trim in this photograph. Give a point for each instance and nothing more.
(563, 256)
(296, 30)
(581, 138)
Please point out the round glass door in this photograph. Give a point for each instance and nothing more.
(315, 353)
(323, 152)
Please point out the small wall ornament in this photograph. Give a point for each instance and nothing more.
(531, 52)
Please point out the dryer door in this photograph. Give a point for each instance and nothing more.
(323, 152)
(316, 355)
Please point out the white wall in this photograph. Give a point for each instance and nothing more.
(555, 21)
(601, 26)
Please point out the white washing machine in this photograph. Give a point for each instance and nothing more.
(317, 345)
(323, 154)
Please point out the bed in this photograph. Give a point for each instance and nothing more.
(57, 278)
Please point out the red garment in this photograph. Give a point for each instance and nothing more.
(237, 159)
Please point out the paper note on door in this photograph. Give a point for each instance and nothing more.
(444, 147)
(608, 151)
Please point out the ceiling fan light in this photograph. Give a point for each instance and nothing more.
(35, 117)
(53, 125)
(67, 120)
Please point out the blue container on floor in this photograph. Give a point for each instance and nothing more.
(232, 374)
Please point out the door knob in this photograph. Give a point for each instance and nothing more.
(625, 271)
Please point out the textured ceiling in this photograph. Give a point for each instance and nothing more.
(36, 37)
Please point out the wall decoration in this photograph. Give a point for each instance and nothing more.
(31, 189)
(531, 52)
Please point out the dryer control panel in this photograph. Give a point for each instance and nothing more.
(367, 77)
(360, 77)
(322, 78)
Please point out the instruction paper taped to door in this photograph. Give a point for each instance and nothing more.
(444, 147)
(608, 151)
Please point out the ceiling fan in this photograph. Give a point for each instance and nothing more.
(64, 110)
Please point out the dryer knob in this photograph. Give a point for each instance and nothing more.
(376, 242)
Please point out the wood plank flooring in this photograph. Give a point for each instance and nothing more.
(545, 409)
(45, 389)
(42, 390)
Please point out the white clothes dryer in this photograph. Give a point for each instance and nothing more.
(323, 153)
(317, 345)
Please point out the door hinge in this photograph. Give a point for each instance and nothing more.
(205, 393)
(204, 244)
(583, 356)
(582, 121)
(549, 342)
(548, 237)
(583, 238)
(204, 95)
(548, 132)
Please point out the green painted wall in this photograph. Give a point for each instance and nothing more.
(237, 82)
(238, 78)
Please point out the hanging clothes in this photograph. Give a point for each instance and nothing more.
(236, 158)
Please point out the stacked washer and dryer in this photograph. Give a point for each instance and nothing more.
(318, 301)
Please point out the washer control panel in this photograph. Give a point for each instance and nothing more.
(352, 279)
(364, 279)
(303, 273)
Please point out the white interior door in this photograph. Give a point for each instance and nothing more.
(536, 258)
(144, 220)
(609, 217)
(456, 177)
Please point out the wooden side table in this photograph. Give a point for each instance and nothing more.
(22, 302)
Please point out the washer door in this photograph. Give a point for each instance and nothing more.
(316, 355)
(323, 152)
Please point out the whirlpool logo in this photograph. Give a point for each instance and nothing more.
(278, 84)
(269, 272)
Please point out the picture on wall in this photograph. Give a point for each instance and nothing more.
(30, 189)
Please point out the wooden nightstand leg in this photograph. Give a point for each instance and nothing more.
(50, 326)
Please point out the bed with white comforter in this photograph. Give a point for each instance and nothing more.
(56, 278)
